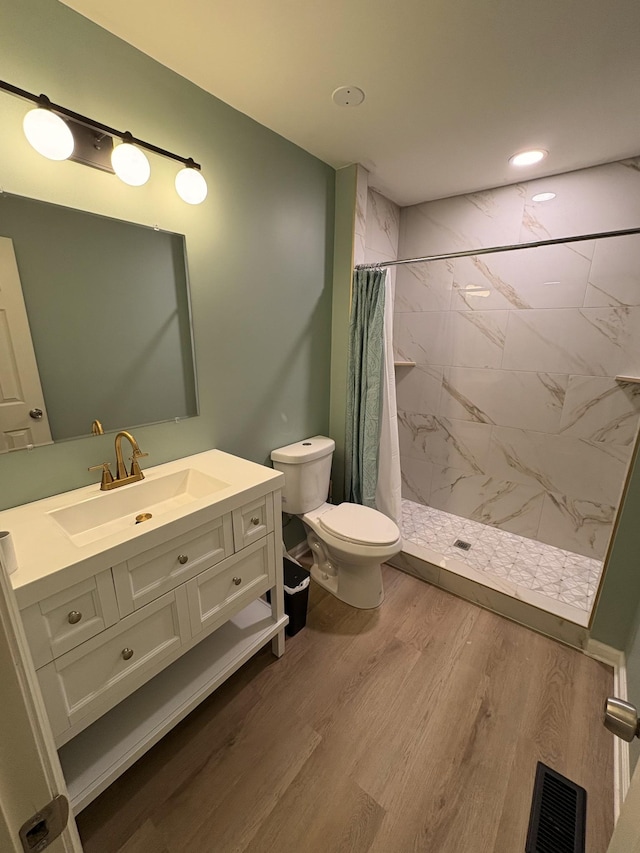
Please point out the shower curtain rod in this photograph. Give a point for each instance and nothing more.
(493, 249)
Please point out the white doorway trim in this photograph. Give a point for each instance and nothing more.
(30, 772)
(621, 766)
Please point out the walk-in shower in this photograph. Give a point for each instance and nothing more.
(518, 401)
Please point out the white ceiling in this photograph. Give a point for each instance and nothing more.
(453, 87)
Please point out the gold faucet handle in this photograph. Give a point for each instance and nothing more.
(107, 476)
(135, 468)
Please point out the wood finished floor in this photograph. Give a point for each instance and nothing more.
(416, 727)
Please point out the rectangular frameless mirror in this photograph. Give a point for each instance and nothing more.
(95, 324)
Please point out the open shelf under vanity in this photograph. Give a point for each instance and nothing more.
(93, 759)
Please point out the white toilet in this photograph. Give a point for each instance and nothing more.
(349, 541)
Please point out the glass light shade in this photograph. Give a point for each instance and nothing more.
(191, 186)
(130, 164)
(48, 134)
(528, 158)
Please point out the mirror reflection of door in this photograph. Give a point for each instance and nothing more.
(20, 388)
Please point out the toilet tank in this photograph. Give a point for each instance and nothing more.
(306, 466)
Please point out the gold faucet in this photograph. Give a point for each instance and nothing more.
(122, 478)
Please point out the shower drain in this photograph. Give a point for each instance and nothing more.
(464, 546)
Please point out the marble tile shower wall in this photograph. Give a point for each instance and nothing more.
(512, 415)
(380, 229)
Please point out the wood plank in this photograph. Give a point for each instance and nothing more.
(447, 787)
(416, 727)
(228, 800)
(146, 839)
(169, 767)
(323, 811)
(562, 727)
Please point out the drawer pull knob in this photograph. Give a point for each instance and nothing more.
(74, 617)
(182, 559)
(127, 654)
(237, 581)
(255, 520)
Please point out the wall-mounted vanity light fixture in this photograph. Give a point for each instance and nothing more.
(61, 134)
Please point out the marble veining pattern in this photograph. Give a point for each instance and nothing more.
(487, 396)
(477, 338)
(512, 415)
(418, 388)
(601, 409)
(587, 341)
(360, 225)
(462, 222)
(383, 224)
(588, 201)
(424, 287)
(555, 573)
(559, 463)
(545, 277)
(460, 444)
(613, 278)
(511, 506)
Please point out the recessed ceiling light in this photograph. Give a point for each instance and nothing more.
(348, 96)
(543, 196)
(528, 158)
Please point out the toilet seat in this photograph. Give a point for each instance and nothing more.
(360, 524)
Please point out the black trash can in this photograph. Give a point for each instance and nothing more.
(296, 595)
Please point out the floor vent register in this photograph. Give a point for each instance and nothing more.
(558, 814)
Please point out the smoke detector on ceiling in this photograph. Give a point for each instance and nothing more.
(348, 96)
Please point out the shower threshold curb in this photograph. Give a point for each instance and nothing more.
(529, 608)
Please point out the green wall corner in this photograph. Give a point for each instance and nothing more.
(345, 213)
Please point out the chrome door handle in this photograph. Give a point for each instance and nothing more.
(621, 718)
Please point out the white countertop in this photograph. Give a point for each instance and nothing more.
(49, 559)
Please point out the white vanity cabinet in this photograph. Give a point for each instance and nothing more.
(147, 575)
(69, 617)
(130, 630)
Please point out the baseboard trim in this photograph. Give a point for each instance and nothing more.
(621, 766)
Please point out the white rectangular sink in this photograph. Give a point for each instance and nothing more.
(65, 538)
(110, 512)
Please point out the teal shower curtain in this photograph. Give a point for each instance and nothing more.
(364, 386)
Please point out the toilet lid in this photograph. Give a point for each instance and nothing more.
(355, 523)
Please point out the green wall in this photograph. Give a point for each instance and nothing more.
(617, 616)
(260, 248)
(633, 682)
(346, 180)
(617, 606)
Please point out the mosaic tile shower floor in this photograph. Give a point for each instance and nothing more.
(560, 575)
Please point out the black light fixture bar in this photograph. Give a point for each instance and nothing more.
(43, 101)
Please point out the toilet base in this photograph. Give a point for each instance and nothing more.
(358, 588)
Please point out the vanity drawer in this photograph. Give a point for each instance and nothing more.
(219, 592)
(252, 521)
(62, 621)
(158, 570)
(101, 672)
